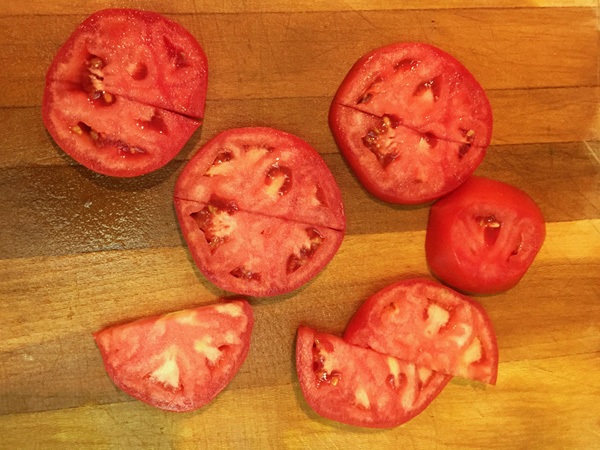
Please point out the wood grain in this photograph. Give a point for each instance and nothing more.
(520, 48)
(65, 7)
(79, 251)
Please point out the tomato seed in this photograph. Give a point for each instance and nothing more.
(335, 378)
(491, 228)
(108, 98)
(488, 221)
(469, 135)
(95, 62)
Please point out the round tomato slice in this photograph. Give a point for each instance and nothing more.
(483, 237)
(182, 360)
(430, 325)
(260, 211)
(125, 92)
(358, 386)
(411, 121)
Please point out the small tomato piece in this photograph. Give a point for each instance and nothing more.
(358, 386)
(179, 361)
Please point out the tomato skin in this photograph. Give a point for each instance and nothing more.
(483, 237)
(178, 361)
(404, 147)
(125, 92)
(358, 386)
(428, 324)
(260, 211)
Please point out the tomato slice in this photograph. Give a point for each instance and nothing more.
(179, 361)
(430, 325)
(483, 237)
(412, 122)
(125, 92)
(358, 386)
(260, 211)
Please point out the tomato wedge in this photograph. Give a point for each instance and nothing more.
(483, 237)
(179, 361)
(430, 325)
(125, 92)
(411, 121)
(358, 386)
(260, 211)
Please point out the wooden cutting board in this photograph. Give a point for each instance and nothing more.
(79, 251)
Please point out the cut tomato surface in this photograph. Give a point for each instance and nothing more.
(125, 92)
(182, 360)
(411, 121)
(260, 211)
(430, 325)
(483, 237)
(358, 386)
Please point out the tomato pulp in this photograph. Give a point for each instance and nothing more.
(182, 360)
(260, 211)
(483, 237)
(125, 92)
(411, 121)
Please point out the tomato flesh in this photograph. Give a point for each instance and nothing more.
(179, 361)
(483, 237)
(430, 325)
(260, 211)
(125, 92)
(358, 386)
(411, 121)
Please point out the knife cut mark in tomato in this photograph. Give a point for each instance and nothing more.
(411, 121)
(358, 386)
(260, 211)
(125, 92)
(430, 325)
(179, 361)
(483, 237)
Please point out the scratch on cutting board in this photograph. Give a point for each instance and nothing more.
(594, 152)
(563, 377)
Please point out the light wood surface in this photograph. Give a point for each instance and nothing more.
(79, 251)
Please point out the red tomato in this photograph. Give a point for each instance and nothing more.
(430, 325)
(125, 92)
(182, 360)
(358, 386)
(483, 237)
(260, 211)
(411, 121)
